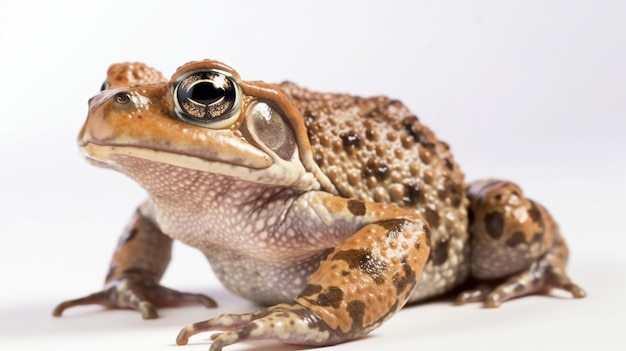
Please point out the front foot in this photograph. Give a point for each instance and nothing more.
(289, 323)
(138, 293)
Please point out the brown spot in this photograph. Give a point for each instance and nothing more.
(311, 133)
(330, 297)
(535, 214)
(494, 224)
(375, 168)
(452, 191)
(356, 310)
(449, 163)
(516, 238)
(350, 140)
(394, 226)
(365, 262)
(458, 193)
(246, 330)
(311, 289)
(439, 255)
(409, 277)
(432, 217)
(412, 126)
(413, 194)
(356, 207)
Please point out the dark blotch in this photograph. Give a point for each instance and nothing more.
(351, 139)
(439, 255)
(535, 214)
(451, 190)
(356, 207)
(432, 217)
(311, 289)
(365, 262)
(375, 168)
(494, 224)
(412, 127)
(245, 331)
(330, 297)
(516, 238)
(413, 194)
(409, 277)
(356, 310)
(394, 226)
(309, 132)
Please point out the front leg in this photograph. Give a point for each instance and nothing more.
(138, 264)
(363, 282)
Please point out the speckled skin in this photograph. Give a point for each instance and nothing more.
(334, 210)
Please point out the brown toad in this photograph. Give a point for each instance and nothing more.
(333, 209)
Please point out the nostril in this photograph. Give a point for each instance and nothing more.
(90, 100)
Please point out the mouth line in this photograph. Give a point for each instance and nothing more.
(95, 151)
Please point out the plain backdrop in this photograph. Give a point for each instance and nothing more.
(533, 91)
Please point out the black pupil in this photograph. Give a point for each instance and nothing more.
(206, 93)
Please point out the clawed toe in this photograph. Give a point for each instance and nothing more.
(140, 295)
(290, 323)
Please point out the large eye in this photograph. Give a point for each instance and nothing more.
(207, 98)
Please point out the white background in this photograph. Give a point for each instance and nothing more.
(532, 91)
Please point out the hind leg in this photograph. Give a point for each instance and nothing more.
(516, 247)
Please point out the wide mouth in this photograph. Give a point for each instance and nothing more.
(135, 161)
(201, 160)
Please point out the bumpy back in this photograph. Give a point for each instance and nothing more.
(375, 149)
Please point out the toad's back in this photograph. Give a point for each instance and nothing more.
(374, 149)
